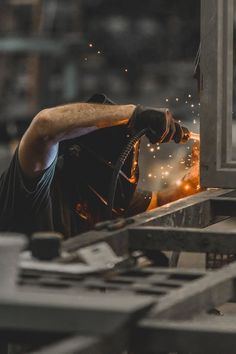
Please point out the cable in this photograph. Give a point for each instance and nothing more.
(118, 167)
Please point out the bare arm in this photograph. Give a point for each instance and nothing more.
(39, 145)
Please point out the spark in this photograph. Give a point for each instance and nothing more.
(158, 148)
(167, 99)
(152, 149)
(98, 52)
(192, 105)
(149, 175)
(170, 156)
(85, 59)
(194, 121)
(178, 182)
(177, 99)
(189, 96)
(90, 45)
(187, 187)
(148, 145)
(126, 70)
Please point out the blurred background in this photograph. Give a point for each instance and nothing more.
(58, 51)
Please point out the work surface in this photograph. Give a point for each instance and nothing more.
(156, 306)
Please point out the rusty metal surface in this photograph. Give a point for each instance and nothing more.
(217, 166)
(157, 282)
(194, 210)
(172, 318)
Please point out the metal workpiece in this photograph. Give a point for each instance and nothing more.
(115, 344)
(193, 224)
(218, 165)
(150, 281)
(161, 325)
(10, 247)
(179, 322)
(72, 345)
(209, 334)
(52, 312)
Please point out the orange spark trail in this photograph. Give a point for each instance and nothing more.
(194, 136)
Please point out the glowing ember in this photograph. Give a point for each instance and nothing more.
(194, 136)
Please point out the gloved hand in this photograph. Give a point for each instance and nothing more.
(161, 126)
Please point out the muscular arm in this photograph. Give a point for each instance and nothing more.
(39, 145)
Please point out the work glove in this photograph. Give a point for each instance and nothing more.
(160, 125)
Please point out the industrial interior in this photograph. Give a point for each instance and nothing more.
(118, 177)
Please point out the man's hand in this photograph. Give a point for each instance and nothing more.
(159, 122)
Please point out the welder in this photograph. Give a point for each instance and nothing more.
(59, 177)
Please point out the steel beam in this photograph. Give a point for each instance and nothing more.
(182, 239)
(114, 344)
(70, 313)
(217, 167)
(208, 335)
